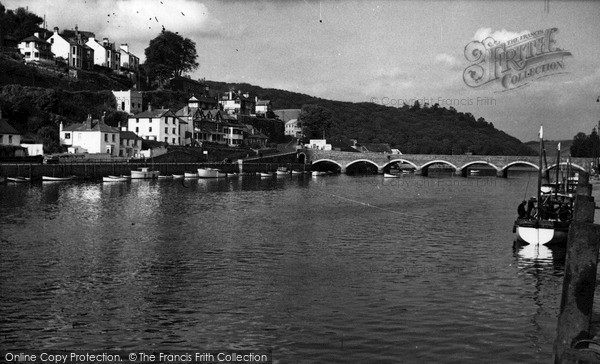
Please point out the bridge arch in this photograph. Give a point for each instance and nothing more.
(359, 161)
(401, 161)
(480, 162)
(503, 172)
(325, 160)
(301, 157)
(425, 167)
(565, 164)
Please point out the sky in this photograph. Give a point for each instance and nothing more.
(386, 52)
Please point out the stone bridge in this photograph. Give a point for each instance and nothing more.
(422, 162)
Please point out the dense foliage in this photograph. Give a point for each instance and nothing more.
(37, 112)
(19, 23)
(586, 145)
(170, 55)
(414, 129)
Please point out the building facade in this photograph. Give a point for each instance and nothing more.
(160, 125)
(35, 49)
(129, 101)
(91, 136)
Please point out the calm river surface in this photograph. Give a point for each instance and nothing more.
(320, 269)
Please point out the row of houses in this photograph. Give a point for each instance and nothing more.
(79, 49)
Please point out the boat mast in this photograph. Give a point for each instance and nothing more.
(557, 170)
(539, 189)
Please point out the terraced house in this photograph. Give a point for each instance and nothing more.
(159, 124)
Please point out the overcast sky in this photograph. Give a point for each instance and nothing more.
(370, 51)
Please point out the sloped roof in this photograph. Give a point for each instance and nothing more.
(156, 113)
(287, 114)
(6, 128)
(263, 102)
(128, 135)
(33, 38)
(94, 125)
(377, 147)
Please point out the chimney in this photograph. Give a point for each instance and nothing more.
(88, 121)
(105, 41)
(102, 118)
(230, 95)
(60, 126)
(149, 107)
(125, 47)
(55, 30)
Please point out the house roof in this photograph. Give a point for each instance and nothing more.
(6, 128)
(291, 122)
(263, 102)
(128, 135)
(91, 125)
(33, 38)
(155, 113)
(69, 33)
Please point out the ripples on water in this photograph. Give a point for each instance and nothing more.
(331, 269)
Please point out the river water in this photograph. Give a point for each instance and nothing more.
(318, 269)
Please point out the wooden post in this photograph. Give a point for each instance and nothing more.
(580, 280)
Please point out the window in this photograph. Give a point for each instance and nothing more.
(105, 137)
(173, 140)
(67, 135)
(174, 131)
(137, 121)
(166, 140)
(166, 130)
(150, 129)
(122, 105)
(137, 129)
(113, 137)
(10, 139)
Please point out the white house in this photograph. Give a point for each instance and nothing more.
(36, 49)
(293, 128)
(73, 50)
(318, 144)
(161, 125)
(262, 106)
(129, 101)
(91, 136)
(237, 103)
(8, 134)
(105, 53)
(129, 60)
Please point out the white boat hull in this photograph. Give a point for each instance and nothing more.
(391, 175)
(190, 175)
(210, 173)
(55, 179)
(144, 174)
(535, 236)
(114, 179)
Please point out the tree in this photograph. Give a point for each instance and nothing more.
(170, 55)
(315, 120)
(581, 146)
(19, 24)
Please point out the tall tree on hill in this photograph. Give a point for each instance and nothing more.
(20, 23)
(316, 121)
(170, 55)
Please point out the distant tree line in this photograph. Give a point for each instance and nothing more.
(587, 146)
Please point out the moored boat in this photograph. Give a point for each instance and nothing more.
(318, 173)
(18, 179)
(114, 179)
(144, 173)
(160, 176)
(267, 174)
(190, 175)
(296, 172)
(210, 173)
(545, 219)
(178, 176)
(57, 179)
(391, 175)
(281, 171)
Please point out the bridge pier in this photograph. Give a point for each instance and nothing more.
(422, 171)
(460, 172)
(502, 173)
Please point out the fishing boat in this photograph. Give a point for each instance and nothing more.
(190, 175)
(144, 173)
(18, 179)
(178, 176)
(545, 218)
(168, 176)
(57, 179)
(282, 171)
(267, 174)
(211, 173)
(114, 179)
(318, 173)
(391, 175)
(296, 172)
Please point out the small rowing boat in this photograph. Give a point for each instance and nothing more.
(114, 179)
(57, 179)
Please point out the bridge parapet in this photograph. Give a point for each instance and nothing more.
(421, 162)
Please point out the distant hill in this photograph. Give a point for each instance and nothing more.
(426, 130)
(551, 147)
(430, 130)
